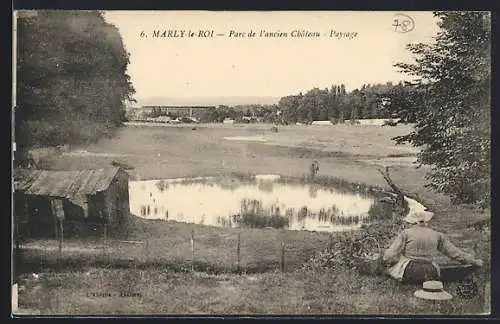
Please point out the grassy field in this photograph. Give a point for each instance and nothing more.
(179, 151)
(349, 152)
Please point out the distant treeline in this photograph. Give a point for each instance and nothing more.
(337, 105)
(240, 113)
(334, 104)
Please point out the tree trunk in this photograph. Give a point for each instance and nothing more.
(401, 207)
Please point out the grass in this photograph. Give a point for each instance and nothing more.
(352, 153)
(174, 151)
(159, 291)
(169, 246)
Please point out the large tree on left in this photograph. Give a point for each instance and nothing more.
(71, 82)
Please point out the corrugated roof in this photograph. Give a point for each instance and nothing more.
(64, 184)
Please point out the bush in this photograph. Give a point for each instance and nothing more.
(381, 210)
(347, 250)
(253, 215)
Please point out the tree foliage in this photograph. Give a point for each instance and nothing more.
(336, 104)
(71, 78)
(450, 104)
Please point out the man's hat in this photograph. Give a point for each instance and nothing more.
(420, 216)
(433, 290)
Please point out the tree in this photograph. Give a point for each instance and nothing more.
(289, 105)
(406, 102)
(452, 76)
(342, 103)
(72, 83)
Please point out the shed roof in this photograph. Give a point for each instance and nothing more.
(73, 185)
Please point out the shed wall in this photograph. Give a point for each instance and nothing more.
(117, 200)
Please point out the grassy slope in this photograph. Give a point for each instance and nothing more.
(342, 151)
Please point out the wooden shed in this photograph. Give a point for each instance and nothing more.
(43, 197)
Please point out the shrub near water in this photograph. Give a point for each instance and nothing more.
(381, 211)
(347, 249)
(252, 214)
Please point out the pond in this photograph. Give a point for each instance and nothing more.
(261, 201)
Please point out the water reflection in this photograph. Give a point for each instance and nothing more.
(261, 202)
(161, 185)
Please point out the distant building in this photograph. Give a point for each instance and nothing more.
(182, 111)
(322, 123)
(161, 119)
(248, 119)
(147, 112)
(374, 122)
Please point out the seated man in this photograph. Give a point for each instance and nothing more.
(410, 256)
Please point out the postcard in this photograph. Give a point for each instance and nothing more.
(230, 163)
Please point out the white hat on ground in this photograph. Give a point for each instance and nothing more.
(420, 216)
(433, 290)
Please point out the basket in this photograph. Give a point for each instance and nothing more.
(456, 272)
(370, 262)
(452, 271)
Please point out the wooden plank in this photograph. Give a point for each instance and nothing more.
(282, 257)
(105, 245)
(54, 212)
(61, 236)
(238, 252)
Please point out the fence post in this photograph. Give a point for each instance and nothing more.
(192, 250)
(105, 247)
(238, 249)
(146, 254)
(282, 257)
(61, 237)
(47, 301)
(56, 227)
(42, 259)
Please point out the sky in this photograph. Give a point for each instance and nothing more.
(368, 47)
